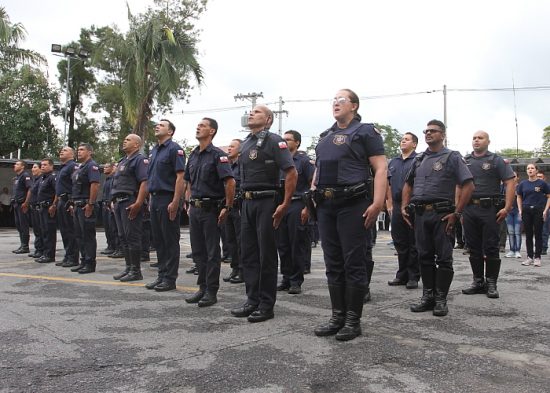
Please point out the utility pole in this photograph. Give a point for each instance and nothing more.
(279, 114)
(445, 112)
(249, 96)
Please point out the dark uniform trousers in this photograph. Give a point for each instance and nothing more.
(85, 236)
(48, 229)
(66, 226)
(259, 252)
(166, 237)
(434, 246)
(129, 231)
(293, 244)
(145, 231)
(532, 218)
(404, 243)
(482, 231)
(110, 226)
(233, 232)
(35, 221)
(344, 239)
(205, 240)
(21, 223)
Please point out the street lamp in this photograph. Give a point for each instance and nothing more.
(69, 53)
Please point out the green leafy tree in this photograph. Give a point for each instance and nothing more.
(513, 153)
(11, 35)
(25, 104)
(392, 139)
(545, 151)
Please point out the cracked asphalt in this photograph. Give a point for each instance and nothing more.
(65, 332)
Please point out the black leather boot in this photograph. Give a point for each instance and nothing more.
(135, 267)
(338, 319)
(88, 268)
(78, 267)
(443, 279)
(352, 326)
(427, 301)
(126, 269)
(234, 273)
(493, 269)
(478, 285)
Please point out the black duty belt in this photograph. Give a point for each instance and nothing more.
(155, 193)
(121, 198)
(487, 201)
(259, 194)
(347, 192)
(80, 202)
(65, 196)
(297, 198)
(205, 203)
(45, 204)
(438, 207)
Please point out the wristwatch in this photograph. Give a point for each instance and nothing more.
(90, 203)
(228, 208)
(458, 215)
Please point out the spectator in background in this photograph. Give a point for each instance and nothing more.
(513, 221)
(5, 207)
(546, 223)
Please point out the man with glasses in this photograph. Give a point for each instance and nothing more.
(293, 241)
(429, 190)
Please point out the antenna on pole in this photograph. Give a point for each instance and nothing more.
(279, 114)
(515, 116)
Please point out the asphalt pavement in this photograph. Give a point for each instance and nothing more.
(65, 332)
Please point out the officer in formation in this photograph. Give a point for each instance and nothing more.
(34, 214)
(129, 189)
(165, 183)
(209, 176)
(293, 242)
(408, 272)
(263, 155)
(347, 207)
(22, 184)
(233, 221)
(85, 189)
(430, 186)
(45, 198)
(108, 217)
(484, 213)
(60, 207)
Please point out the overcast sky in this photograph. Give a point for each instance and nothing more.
(308, 49)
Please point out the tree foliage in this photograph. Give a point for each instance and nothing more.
(545, 150)
(25, 105)
(513, 153)
(392, 139)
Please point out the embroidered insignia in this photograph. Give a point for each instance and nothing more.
(146, 161)
(437, 166)
(27, 178)
(180, 152)
(121, 167)
(537, 189)
(339, 139)
(95, 168)
(253, 154)
(223, 159)
(486, 166)
(282, 145)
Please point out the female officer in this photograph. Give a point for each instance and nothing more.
(533, 202)
(348, 155)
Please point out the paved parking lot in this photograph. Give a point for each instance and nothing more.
(65, 332)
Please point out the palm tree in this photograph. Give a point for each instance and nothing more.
(157, 70)
(11, 35)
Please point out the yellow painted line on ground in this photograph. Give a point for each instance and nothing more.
(81, 281)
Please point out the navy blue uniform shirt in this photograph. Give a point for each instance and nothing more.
(260, 166)
(165, 161)
(488, 171)
(83, 176)
(130, 173)
(398, 169)
(342, 155)
(206, 171)
(305, 170)
(64, 183)
(236, 175)
(21, 185)
(46, 188)
(533, 193)
(34, 189)
(107, 187)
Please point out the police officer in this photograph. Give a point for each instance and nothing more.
(84, 193)
(128, 193)
(263, 155)
(430, 186)
(165, 183)
(108, 217)
(208, 174)
(408, 272)
(485, 212)
(22, 184)
(45, 198)
(293, 242)
(347, 208)
(60, 207)
(233, 220)
(34, 214)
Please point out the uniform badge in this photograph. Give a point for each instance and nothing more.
(253, 154)
(486, 166)
(27, 178)
(437, 166)
(121, 167)
(223, 159)
(180, 152)
(339, 139)
(537, 189)
(95, 168)
(282, 145)
(146, 161)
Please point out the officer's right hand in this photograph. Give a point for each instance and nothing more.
(70, 209)
(172, 210)
(406, 216)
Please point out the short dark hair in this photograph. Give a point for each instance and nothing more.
(414, 137)
(438, 123)
(238, 140)
(296, 135)
(171, 125)
(213, 124)
(48, 160)
(87, 146)
(22, 162)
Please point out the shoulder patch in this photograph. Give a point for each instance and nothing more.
(95, 168)
(377, 130)
(282, 145)
(224, 159)
(27, 178)
(146, 161)
(180, 152)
